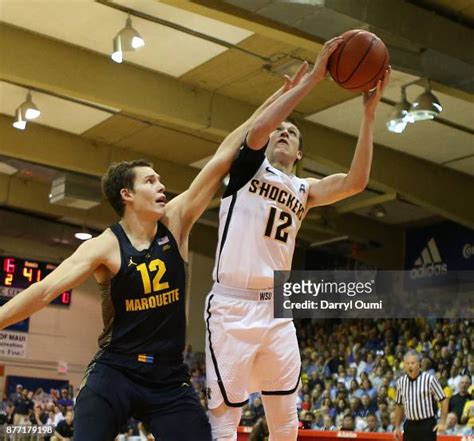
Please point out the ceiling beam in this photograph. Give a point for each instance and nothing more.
(32, 197)
(440, 189)
(87, 75)
(353, 205)
(226, 13)
(64, 151)
(420, 42)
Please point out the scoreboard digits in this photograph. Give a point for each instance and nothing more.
(18, 274)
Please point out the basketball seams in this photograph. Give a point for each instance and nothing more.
(362, 61)
(339, 55)
(369, 48)
(382, 68)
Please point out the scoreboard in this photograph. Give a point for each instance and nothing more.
(18, 274)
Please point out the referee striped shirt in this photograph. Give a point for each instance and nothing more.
(417, 396)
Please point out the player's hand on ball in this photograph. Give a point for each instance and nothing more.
(372, 98)
(320, 69)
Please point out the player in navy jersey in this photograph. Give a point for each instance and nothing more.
(140, 265)
(247, 349)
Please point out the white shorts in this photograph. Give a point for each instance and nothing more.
(247, 350)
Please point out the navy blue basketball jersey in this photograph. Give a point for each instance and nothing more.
(143, 305)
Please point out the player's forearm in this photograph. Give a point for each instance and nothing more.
(280, 109)
(444, 411)
(398, 415)
(234, 140)
(358, 175)
(23, 305)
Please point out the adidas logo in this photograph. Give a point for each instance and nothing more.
(429, 264)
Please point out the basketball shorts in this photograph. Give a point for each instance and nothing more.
(109, 396)
(247, 349)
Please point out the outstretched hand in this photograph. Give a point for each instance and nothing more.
(372, 98)
(320, 69)
(296, 78)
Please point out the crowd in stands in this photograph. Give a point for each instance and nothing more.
(348, 379)
(350, 368)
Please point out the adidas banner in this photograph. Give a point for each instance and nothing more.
(433, 251)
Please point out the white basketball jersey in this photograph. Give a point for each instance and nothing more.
(258, 225)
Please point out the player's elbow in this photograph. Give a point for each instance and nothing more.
(357, 185)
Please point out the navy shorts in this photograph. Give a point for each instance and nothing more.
(110, 396)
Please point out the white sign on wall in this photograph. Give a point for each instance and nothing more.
(13, 344)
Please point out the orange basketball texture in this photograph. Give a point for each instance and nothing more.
(359, 61)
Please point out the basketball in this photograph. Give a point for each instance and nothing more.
(359, 61)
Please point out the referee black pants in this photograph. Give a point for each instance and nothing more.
(421, 430)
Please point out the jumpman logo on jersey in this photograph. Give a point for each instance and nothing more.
(302, 188)
(131, 262)
(269, 170)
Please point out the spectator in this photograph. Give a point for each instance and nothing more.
(457, 401)
(307, 419)
(348, 423)
(57, 416)
(260, 430)
(372, 423)
(257, 408)
(65, 429)
(23, 408)
(452, 427)
(328, 424)
(65, 401)
(39, 417)
(467, 417)
(17, 394)
(454, 379)
(334, 362)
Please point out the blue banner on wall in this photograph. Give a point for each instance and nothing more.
(433, 251)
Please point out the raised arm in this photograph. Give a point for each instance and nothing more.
(190, 204)
(71, 273)
(277, 111)
(340, 186)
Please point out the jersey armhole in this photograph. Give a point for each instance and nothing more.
(121, 238)
(244, 167)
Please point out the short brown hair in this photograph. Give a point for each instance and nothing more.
(120, 175)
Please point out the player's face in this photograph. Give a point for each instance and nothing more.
(412, 366)
(284, 142)
(148, 196)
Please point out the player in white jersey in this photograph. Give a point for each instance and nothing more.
(247, 349)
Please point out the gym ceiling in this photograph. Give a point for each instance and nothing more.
(205, 67)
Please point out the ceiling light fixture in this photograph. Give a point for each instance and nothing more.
(29, 109)
(20, 120)
(82, 235)
(426, 106)
(400, 117)
(378, 212)
(127, 40)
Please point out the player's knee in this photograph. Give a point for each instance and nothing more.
(285, 431)
(224, 421)
(283, 427)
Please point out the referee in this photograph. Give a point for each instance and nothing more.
(416, 392)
